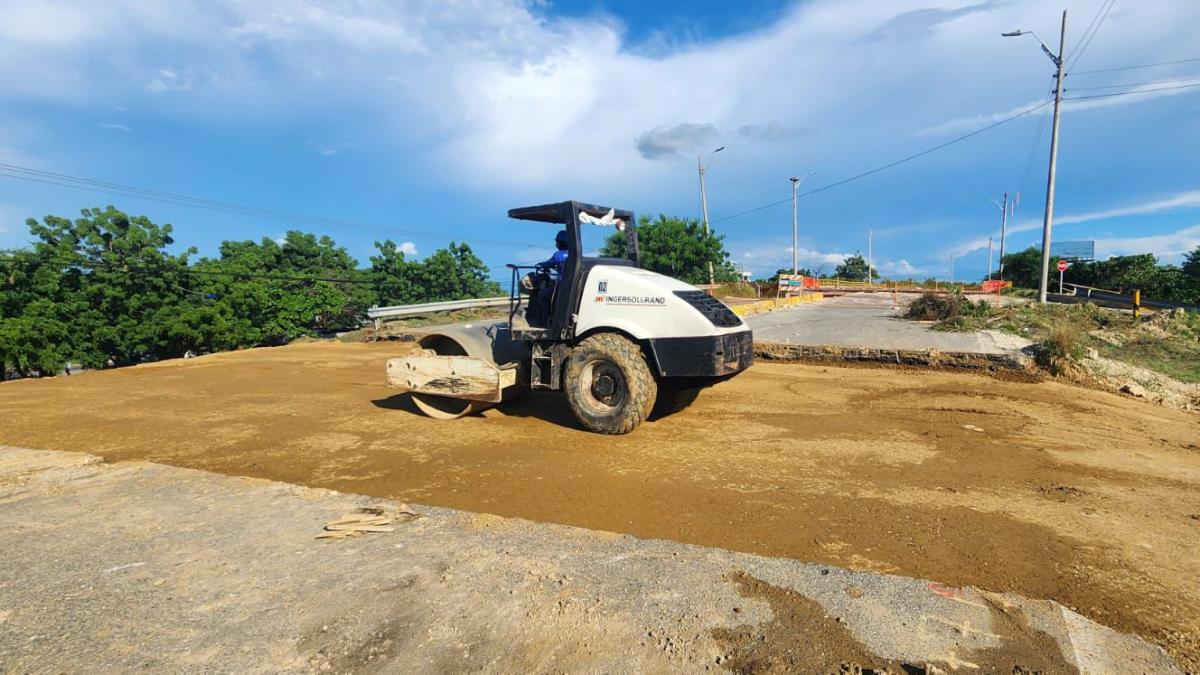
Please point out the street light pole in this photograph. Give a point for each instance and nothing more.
(1003, 206)
(869, 275)
(1003, 232)
(704, 206)
(989, 257)
(796, 181)
(1048, 221)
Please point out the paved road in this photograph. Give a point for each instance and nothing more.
(870, 320)
(140, 566)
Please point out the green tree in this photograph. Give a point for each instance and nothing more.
(451, 273)
(116, 278)
(270, 292)
(1024, 268)
(1191, 273)
(855, 267)
(104, 290)
(34, 337)
(677, 247)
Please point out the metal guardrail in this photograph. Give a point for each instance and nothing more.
(1115, 300)
(377, 314)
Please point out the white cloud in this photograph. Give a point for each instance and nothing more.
(765, 256)
(114, 126)
(409, 249)
(1169, 245)
(897, 268)
(1137, 94)
(528, 103)
(168, 80)
(1182, 200)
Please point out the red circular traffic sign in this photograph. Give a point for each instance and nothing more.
(1062, 265)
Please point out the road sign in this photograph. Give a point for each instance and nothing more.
(1062, 265)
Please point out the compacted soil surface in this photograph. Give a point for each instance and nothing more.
(1044, 489)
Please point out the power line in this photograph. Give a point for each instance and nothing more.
(1037, 141)
(1138, 67)
(1135, 84)
(127, 266)
(1101, 14)
(889, 165)
(179, 199)
(1130, 93)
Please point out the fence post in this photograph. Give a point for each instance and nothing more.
(1137, 301)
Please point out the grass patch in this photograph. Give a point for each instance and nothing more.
(735, 290)
(1167, 342)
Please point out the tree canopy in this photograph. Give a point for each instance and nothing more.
(103, 289)
(855, 267)
(677, 247)
(1122, 274)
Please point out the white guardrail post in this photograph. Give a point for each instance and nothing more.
(378, 314)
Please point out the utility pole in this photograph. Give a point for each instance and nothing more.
(795, 226)
(951, 269)
(704, 207)
(869, 258)
(1003, 228)
(989, 258)
(1048, 221)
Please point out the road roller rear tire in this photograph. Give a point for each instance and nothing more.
(608, 384)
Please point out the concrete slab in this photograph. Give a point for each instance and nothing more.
(116, 567)
(871, 320)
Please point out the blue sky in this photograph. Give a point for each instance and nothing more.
(424, 121)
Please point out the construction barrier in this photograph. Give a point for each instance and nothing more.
(748, 308)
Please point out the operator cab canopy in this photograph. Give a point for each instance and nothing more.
(573, 214)
(565, 212)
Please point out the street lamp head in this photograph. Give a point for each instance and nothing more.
(794, 179)
(1013, 33)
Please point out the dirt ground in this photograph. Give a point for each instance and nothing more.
(1044, 489)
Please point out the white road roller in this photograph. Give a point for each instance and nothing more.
(621, 341)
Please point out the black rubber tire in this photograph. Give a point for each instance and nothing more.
(672, 399)
(634, 387)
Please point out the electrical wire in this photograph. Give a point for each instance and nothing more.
(1130, 93)
(93, 185)
(1137, 67)
(1136, 84)
(1037, 141)
(1101, 14)
(133, 266)
(887, 166)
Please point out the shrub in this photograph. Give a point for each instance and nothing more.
(946, 307)
(1060, 350)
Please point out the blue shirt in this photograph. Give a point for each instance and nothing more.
(556, 261)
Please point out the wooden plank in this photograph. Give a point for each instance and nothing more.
(462, 377)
